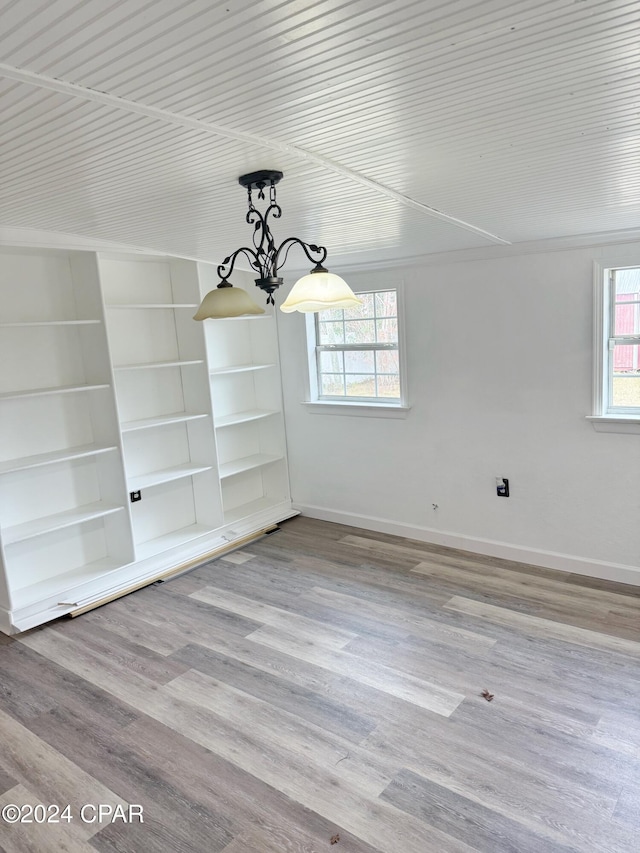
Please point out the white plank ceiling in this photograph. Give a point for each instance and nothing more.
(403, 128)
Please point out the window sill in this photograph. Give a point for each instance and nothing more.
(366, 410)
(615, 423)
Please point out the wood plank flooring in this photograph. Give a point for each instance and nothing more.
(326, 681)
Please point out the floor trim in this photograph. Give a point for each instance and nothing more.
(532, 556)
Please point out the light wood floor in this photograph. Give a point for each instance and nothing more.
(324, 682)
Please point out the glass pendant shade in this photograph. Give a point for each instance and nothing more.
(226, 301)
(318, 291)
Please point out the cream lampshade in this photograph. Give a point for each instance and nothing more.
(226, 301)
(319, 291)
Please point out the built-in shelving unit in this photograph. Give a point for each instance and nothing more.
(159, 363)
(133, 440)
(62, 490)
(247, 405)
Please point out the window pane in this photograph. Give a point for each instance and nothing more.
(627, 302)
(330, 333)
(626, 319)
(386, 304)
(359, 362)
(625, 359)
(387, 361)
(359, 331)
(333, 314)
(626, 376)
(627, 284)
(360, 386)
(387, 331)
(364, 310)
(331, 362)
(389, 386)
(332, 384)
(627, 316)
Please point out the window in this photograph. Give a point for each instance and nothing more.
(355, 354)
(617, 381)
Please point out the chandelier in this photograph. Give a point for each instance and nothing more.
(317, 291)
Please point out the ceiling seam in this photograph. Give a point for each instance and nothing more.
(75, 90)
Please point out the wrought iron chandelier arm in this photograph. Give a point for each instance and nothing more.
(310, 250)
(262, 237)
(230, 261)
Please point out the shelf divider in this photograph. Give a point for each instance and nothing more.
(165, 475)
(59, 584)
(238, 513)
(57, 521)
(154, 365)
(43, 392)
(66, 455)
(146, 305)
(247, 463)
(161, 420)
(238, 368)
(170, 540)
(244, 417)
(50, 323)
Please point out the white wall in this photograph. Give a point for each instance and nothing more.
(499, 355)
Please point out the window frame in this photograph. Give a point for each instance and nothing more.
(383, 406)
(607, 417)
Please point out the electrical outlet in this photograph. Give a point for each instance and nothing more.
(135, 496)
(502, 487)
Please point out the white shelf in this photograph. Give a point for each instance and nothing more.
(160, 420)
(66, 455)
(152, 305)
(238, 368)
(50, 323)
(152, 365)
(43, 392)
(232, 516)
(166, 475)
(170, 540)
(59, 584)
(57, 521)
(247, 463)
(243, 417)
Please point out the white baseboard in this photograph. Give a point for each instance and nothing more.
(531, 556)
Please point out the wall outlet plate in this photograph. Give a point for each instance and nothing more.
(502, 487)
